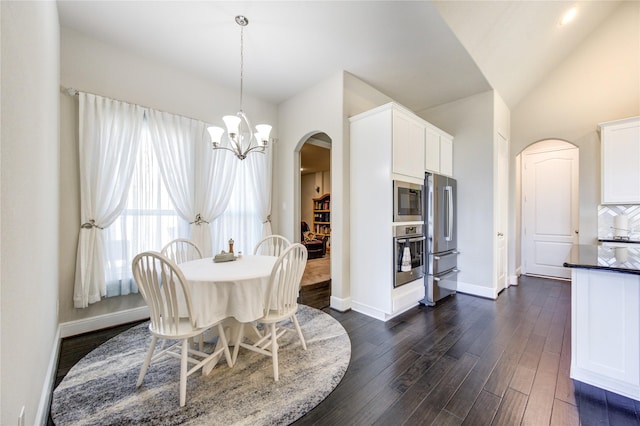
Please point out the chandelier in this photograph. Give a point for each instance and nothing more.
(242, 140)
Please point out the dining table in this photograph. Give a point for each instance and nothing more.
(233, 289)
(232, 292)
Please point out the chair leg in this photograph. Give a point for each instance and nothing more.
(237, 345)
(294, 320)
(274, 350)
(147, 360)
(183, 372)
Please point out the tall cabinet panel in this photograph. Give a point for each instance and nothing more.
(386, 143)
(438, 151)
(621, 161)
(408, 145)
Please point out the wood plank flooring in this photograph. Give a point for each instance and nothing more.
(467, 361)
(470, 361)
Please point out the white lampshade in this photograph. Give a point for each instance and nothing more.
(215, 133)
(232, 122)
(263, 133)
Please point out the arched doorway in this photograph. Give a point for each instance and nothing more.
(315, 217)
(549, 206)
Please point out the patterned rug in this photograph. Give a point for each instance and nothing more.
(101, 388)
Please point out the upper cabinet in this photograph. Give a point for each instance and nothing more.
(438, 153)
(621, 161)
(408, 144)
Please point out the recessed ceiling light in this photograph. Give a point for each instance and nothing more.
(568, 16)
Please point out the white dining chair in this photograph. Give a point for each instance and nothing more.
(162, 284)
(280, 304)
(272, 245)
(181, 250)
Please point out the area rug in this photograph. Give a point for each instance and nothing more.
(101, 388)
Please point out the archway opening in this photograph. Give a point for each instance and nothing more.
(315, 218)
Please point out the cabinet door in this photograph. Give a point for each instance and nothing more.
(432, 151)
(621, 163)
(446, 156)
(408, 146)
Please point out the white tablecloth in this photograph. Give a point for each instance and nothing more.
(228, 289)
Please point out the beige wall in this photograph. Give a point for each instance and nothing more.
(89, 65)
(599, 81)
(470, 122)
(29, 32)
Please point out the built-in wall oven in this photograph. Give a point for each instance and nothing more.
(409, 253)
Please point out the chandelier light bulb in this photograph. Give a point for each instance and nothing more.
(216, 134)
(233, 124)
(263, 133)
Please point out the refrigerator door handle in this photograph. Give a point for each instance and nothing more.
(448, 190)
(455, 271)
(439, 257)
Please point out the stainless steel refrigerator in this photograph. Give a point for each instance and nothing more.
(442, 236)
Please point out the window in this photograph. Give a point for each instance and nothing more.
(241, 221)
(148, 222)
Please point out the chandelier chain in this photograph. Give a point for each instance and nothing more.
(241, 63)
(242, 140)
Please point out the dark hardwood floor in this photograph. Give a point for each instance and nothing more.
(466, 361)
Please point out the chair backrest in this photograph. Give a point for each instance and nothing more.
(182, 250)
(272, 245)
(284, 283)
(163, 288)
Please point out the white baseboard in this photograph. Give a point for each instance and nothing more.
(341, 305)
(42, 416)
(86, 325)
(513, 279)
(477, 290)
(369, 311)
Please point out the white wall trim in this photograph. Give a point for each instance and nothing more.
(369, 311)
(339, 304)
(378, 314)
(85, 325)
(477, 290)
(513, 279)
(42, 415)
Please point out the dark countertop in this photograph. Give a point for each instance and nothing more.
(614, 259)
(618, 240)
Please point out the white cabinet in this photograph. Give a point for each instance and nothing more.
(446, 155)
(605, 330)
(438, 153)
(408, 145)
(378, 139)
(621, 161)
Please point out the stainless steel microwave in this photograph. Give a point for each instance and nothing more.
(408, 201)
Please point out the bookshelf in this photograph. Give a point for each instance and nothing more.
(322, 215)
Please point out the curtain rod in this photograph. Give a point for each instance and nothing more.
(75, 92)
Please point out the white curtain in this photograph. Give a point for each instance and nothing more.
(259, 175)
(198, 180)
(243, 219)
(109, 134)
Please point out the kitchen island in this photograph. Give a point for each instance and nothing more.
(605, 317)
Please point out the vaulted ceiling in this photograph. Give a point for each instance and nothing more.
(420, 53)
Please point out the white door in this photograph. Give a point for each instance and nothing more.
(501, 191)
(550, 208)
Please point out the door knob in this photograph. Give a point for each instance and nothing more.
(576, 231)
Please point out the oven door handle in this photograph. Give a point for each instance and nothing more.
(455, 271)
(411, 240)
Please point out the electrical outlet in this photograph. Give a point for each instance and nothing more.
(21, 417)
